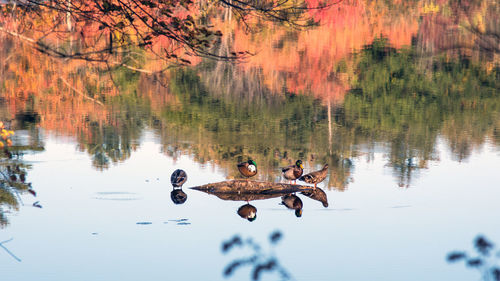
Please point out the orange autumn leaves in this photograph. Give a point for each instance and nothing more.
(5, 136)
(315, 61)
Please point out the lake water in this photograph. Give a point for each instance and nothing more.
(410, 130)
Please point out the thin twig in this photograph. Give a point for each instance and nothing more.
(7, 250)
(80, 92)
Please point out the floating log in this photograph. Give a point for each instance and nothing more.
(244, 196)
(247, 190)
(251, 187)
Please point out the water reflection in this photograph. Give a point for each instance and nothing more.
(317, 194)
(260, 260)
(248, 212)
(178, 196)
(2, 245)
(177, 179)
(384, 79)
(13, 174)
(246, 190)
(485, 260)
(291, 201)
(336, 94)
(394, 102)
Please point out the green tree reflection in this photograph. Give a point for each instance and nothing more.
(401, 102)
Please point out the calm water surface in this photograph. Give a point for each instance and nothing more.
(408, 121)
(87, 228)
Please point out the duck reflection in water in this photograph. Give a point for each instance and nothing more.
(246, 191)
(292, 201)
(248, 212)
(178, 178)
(178, 196)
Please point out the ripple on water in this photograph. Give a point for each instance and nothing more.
(116, 196)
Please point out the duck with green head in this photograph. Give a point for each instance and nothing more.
(293, 172)
(248, 169)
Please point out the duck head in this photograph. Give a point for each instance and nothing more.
(298, 213)
(252, 166)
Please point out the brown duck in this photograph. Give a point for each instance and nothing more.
(293, 202)
(178, 196)
(178, 178)
(293, 172)
(248, 212)
(248, 169)
(316, 176)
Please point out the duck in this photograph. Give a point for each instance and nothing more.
(178, 178)
(293, 172)
(248, 212)
(178, 196)
(316, 176)
(292, 201)
(248, 169)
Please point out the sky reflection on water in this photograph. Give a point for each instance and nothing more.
(365, 234)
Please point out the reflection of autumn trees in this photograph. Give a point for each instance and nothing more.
(394, 101)
(71, 98)
(310, 62)
(275, 132)
(469, 28)
(305, 95)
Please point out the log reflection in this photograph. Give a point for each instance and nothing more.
(247, 190)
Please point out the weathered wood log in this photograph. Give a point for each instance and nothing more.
(244, 196)
(248, 190)
(251, 187)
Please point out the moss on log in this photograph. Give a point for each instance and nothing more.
(251, 187)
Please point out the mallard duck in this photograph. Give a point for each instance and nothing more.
(317, 194)
(178, 196)
(293, 202)
(248, 169)
(178, 178)
(248, 212)
(315, 177)
(293, 172)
